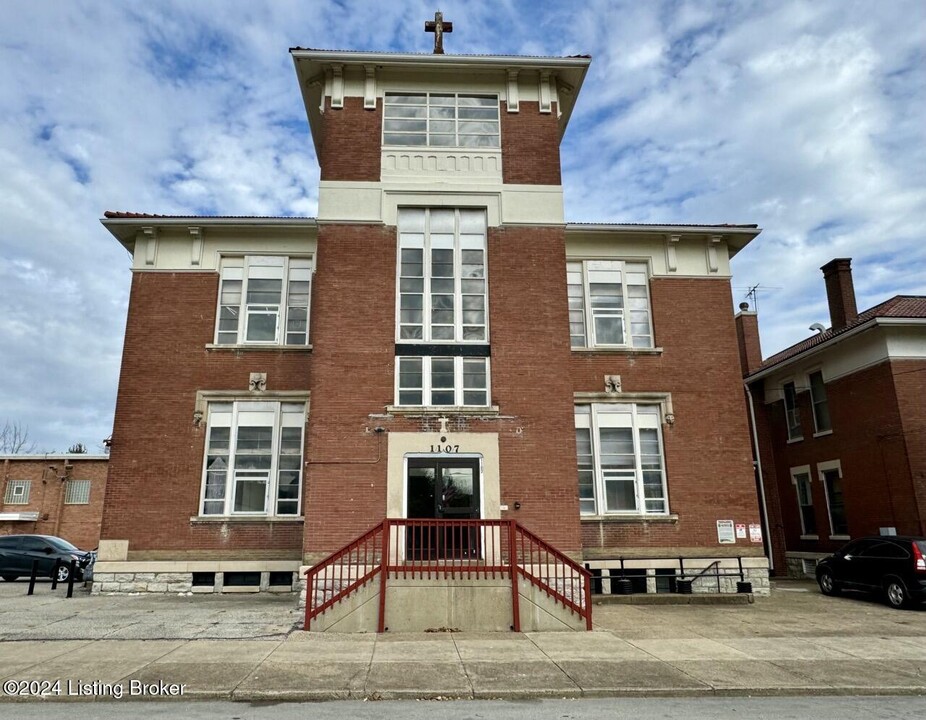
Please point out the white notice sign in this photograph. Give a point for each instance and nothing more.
(755, 533)
(741, 531)
(725, 533)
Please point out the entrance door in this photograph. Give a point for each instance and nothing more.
(442, 489)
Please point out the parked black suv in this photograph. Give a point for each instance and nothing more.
(18, 551)
(893, 565)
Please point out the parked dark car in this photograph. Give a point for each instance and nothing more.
(891, 565)
(17, 553)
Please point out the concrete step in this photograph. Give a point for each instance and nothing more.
(675, 599)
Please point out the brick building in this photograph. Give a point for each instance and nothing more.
(54, 495)
(438, 342)
(841, 424)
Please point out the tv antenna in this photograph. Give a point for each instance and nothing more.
(753, 291)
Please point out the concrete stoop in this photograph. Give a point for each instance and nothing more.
(446, 604)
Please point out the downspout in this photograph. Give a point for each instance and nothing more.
(766, 535)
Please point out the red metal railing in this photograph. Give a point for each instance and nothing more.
(425, 549)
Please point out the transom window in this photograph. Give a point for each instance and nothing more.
(253, 458)
(609, 304)
(264, 300)
(441, 120)
(454, 381)
(17, 492)
(621, 467)
(442, 293)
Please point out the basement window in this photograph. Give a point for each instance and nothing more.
(241, 579)
(204, 579)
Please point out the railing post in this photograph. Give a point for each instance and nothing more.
(513, 569)
(588, 600)
(384, 572)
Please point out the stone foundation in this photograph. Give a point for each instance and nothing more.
(659, 574)
(189, 577)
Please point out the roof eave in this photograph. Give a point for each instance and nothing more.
(737, 237)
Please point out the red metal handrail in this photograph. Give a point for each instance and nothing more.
(430, 548)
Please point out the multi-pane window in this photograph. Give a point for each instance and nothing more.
(609, 304)
(835, 501)
(805, 502)
(77, 493)
(264, 299)
(621, 466)
(442, 293)
(17, 492)
(792, 412)
(441, 120)
(253, 458)
(821, 408)
(454, 381)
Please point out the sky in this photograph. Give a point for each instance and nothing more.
(808, 118)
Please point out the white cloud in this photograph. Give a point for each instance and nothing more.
(805, 117)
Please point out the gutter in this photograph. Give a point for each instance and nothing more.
(755, 446)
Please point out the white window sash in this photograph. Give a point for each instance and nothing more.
(239, 268)
(624, 268)
(461, 242)
(390, 103)
(272, 475)
(593, 420)
(426, 381)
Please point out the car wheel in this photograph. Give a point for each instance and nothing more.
(895, 592)
(63, 573)
(827, 583)
(11, 578)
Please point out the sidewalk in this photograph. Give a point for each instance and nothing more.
(796, 642)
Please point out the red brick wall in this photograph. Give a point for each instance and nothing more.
(866, 439)
(156, 460)
(747, 338)
(910, 386)
(351, 141)
(707, 451)
(78, 524)
(353, 375)
(530, 145)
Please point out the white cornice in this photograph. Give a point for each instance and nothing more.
(449, 61)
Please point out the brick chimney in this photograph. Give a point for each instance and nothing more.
(840, 293)
(747, 338)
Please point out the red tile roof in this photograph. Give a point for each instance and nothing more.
(119, 215)
(899, 306)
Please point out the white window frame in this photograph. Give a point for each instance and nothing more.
(797, 433)
(593, 412)
(822, 468)
(624, 266)
(458, 310)
(77, 492)
(815, 402)
(236, 267)
(803, 471)
(271, 492)
(457, 380)
(427, 133)
(17, 492)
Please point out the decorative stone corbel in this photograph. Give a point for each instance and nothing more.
(337, 86)
(513, 96)
(672, 242)
(196, 248)
(369, 87)
(197, 417)
(546, 100)
(257, 382)
(150, 234)
(713, 244)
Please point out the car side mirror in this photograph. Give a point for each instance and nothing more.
(48, 551)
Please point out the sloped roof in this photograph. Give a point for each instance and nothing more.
(899, 306)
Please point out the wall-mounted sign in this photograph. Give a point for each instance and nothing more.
(725, 532)
(755, 533)
(741, 531)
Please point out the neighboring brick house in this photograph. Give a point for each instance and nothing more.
(54, 495)
(289, 382)
(841, 420)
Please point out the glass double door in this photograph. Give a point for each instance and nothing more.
(442, 489)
